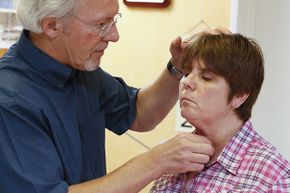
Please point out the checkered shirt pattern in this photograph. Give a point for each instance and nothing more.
(247, 164)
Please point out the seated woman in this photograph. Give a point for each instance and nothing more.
(224, 75)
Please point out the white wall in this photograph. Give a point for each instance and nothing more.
(268, 22)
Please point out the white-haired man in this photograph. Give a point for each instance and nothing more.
(55, 103)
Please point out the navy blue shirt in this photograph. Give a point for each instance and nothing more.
(53, 120)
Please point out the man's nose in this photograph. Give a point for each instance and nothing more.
(112, 35)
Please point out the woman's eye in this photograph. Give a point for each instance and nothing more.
(206, 77)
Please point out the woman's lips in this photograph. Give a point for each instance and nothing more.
(186, 99)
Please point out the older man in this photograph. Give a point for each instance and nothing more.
(55, 103)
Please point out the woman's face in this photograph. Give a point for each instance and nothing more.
(203, 96)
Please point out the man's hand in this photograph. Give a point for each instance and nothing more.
(185, 152)
(178, 44)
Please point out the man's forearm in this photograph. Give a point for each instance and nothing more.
(155, 101)
(184, 152)
(129, 178)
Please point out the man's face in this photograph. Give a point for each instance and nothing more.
(80, 40)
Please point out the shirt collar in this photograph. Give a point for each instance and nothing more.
(53, 71)
(233, 153)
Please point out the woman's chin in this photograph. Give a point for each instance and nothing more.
(188, 115)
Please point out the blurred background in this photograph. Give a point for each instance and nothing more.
(143, 52)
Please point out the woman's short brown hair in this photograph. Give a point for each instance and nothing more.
(236, 58)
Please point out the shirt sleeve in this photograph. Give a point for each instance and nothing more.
(29, 162)
(118, 101)
(282, 185)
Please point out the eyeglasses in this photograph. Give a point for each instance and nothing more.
(102, 29)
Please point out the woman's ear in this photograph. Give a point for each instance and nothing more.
(239, 99)
(51, 26)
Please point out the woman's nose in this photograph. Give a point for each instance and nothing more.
(189, 81)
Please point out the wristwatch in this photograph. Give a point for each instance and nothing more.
(174, 71)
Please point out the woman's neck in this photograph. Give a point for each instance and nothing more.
(220, 133)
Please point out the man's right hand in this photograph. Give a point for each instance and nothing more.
(185, 152)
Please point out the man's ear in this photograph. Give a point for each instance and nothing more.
(239, 99)
(51, 26)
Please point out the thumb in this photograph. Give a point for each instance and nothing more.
(176, 45)
(177, 41)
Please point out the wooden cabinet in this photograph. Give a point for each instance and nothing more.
(2, 51)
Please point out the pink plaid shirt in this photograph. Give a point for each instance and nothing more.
(248, 163)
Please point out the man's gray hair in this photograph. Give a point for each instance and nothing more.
(30, 13)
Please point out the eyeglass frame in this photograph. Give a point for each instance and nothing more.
(100, 30)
